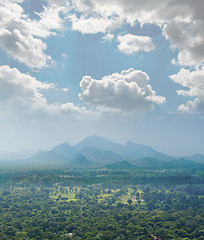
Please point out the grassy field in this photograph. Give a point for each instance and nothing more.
(67, 194)
(64, 194)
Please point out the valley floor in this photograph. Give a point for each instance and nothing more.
(100, 204)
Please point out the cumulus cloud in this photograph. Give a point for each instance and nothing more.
(93, 24)
(57, 3)
(131, 10)
(21, 37)
(194, 82)
(187, 37)
(181, 21)
(131, 43)
(126, 91)
(22, 46)
(20, 94)
(108, 37)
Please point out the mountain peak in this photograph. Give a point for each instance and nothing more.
(81, 161)
(64, 149)
(94, 138)
(97, 142)
(64, 145)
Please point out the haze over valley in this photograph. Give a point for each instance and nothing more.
(102, 119)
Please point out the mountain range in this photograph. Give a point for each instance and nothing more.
(96, 151)
(95, 143)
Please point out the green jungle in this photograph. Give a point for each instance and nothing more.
(101, 203)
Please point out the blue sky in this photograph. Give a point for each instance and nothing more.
(125, 71)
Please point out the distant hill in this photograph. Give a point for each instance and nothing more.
(130, 150)
(99, 156)
(199, 158)
(97, 151)
(65, 149)
(153, 163)
(89, 147)
(188, 164)
(148, 162)
(136, 151)
(121, 165)
(80, 161)
(99, 143)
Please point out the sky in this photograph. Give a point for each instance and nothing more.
(125, 70)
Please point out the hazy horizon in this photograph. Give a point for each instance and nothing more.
(126, 71)
(31, 152)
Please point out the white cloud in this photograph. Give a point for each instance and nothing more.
(93, 24)
(20, 95)
(128, 91)
(187, 37)
(131, 11)
(65, 89)
(20, 92)
(131, 43)
(21, 37)
(194, 81)
(108, 37)
(22, 46)
(58, 3)
(182, 21)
